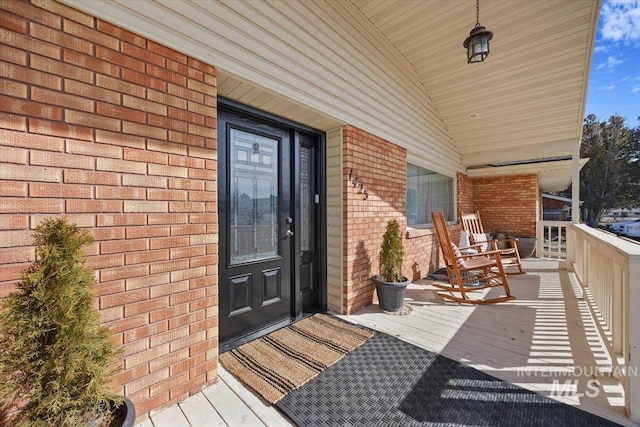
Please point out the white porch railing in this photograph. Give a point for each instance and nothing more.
(608, 269)
(551, 239)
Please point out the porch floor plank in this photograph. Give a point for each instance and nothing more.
(268, 414)
(145, 423)
(547, 334)
(170, 417)
(233, 410)
(200, 412)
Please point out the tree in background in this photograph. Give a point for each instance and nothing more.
(611, 177)
(634, 164)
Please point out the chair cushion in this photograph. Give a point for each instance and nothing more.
(479, 239)
(457, 254)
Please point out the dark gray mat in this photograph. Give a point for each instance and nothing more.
(388, 382)
(440, 275)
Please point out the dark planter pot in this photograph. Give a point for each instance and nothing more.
(390, 294)
(123, 415)
(130, 418)
(526, 246)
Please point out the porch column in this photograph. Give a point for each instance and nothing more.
(575, 188)
(575, 209)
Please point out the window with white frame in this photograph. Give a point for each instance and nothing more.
(428, 191)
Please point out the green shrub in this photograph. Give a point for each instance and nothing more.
(56, 361)
(391, 253)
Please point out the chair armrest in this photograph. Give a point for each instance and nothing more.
(474, 246)
(481, 254)
(478, 246)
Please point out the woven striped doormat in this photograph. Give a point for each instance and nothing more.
(286, 359)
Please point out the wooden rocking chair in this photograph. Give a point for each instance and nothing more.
(470, 272)
(509, 254)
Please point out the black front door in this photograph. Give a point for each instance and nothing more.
(256, 225)
(272, 233)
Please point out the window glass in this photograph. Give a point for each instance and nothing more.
(428, 191)
(306, 199)
(253, 219)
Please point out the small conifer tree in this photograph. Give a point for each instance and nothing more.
(56, 361)
(391, 253)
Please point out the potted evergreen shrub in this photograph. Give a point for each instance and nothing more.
(56, 362)
(390, 283)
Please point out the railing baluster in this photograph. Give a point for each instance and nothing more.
(548, 245)
(608, 269)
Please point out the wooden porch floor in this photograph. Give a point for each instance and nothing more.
(546, 335)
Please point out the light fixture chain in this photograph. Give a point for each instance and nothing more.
(477, 12)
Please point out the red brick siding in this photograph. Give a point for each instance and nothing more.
(381, 168)
(117, 133)
(507, 204)
(465, 193)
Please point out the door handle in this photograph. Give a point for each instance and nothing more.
(288, 233)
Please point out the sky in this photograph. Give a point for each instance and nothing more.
(614, 84)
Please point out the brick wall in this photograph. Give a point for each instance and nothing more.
(507, 204)
(381, 167)
(117, 133)
(422, 251)
(465, 193)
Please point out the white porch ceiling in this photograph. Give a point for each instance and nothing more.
(528, 94)
(396, 68)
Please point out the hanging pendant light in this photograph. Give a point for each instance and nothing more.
(477, 44)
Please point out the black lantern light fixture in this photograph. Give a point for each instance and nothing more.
(477, 44)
